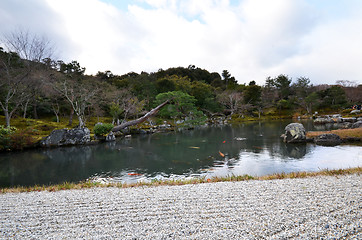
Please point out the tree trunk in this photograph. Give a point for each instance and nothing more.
(81, 121)
(71, 117)
(7, 118)
(25, 108)
(35, 112)
(141, 119)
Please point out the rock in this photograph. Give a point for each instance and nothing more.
(110, 137)
(328, 139)
(343, 125)
(294, 133)
(356, 111)
(357, 124)
(351, 119)
(63, 137)
(323, 120)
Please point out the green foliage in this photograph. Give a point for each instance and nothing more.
(71, 69)
(252, 94)
(5, 133)
(333, 97)
(165, 85)
(282, 83)
(182, 107)
(102, 129)
(283, 104)
(115, 111)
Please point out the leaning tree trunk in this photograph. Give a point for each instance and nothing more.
(141, 119)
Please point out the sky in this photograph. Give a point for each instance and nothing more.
(252, 39)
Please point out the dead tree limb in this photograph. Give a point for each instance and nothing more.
(141, 119)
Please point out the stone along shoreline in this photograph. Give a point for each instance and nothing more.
(316, 207)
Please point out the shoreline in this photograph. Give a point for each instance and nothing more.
(90, 184)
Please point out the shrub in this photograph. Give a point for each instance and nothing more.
(13, 139)
(22, 139)
(5, 133)
(102, 129)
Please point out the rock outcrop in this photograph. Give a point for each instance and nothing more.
(294, 133)
(64, 137)
(328, 139)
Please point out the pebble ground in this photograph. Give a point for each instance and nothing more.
(311, 208)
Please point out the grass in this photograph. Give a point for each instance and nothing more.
(43, 127)
(342, 133)
(89, 184)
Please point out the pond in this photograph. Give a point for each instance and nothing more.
(253, 148)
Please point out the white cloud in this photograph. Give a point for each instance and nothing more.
(252, 39)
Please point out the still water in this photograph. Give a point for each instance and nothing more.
(253, 148)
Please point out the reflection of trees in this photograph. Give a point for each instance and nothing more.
(167, 153)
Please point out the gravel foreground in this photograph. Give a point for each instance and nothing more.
(311, 208)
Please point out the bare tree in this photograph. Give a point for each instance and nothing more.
(28, 46)
(18, 66)
(124, 103)
(12, 86)
(346, 83)
(232, 100)
(79, 93)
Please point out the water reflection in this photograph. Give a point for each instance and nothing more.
(251, 148)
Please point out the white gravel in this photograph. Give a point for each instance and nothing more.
(312, 208)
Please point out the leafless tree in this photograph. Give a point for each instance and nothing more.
(13, 88)
(346, 83)
(80, 93)
(28, 45)
(232, 100)
(124, 103)
(19, 63)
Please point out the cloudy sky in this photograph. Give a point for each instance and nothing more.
(252, 39)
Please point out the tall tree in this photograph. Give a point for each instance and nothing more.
(28, 45)
(230, 82)
(182, 107)
(79, 90)
(35, 50)
(13, 92)
(232, 100)
(282, 83)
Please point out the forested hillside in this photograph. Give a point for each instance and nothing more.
(35, 86)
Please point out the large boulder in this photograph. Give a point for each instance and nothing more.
(328, 139)
(294, 133)
(63, 137)
(357, 124)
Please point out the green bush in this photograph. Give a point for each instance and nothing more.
(102, 129)
(5, 133)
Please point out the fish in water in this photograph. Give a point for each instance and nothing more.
(221, 154)
(195, 147)
(135, 174)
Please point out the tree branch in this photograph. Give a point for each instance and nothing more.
(141, 119)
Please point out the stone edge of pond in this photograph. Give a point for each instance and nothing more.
(89, 184)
